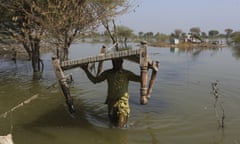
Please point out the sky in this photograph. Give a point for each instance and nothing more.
(165, 16)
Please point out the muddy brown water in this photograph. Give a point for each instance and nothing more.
(179, 111)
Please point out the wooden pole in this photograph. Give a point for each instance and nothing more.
(144, 72)
(154, 65)
(63, 83)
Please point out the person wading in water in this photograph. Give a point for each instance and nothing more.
(117, 96)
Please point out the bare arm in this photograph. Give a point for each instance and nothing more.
(92, 78)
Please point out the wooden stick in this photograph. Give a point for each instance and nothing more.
(63, 83)
(154, 65)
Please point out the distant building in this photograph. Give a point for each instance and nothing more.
(193, 39)
(174, 41)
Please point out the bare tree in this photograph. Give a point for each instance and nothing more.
(109, 22)
(58, 22)
(24, 25)
(111, 30)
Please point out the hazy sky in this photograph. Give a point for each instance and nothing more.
(165, 16)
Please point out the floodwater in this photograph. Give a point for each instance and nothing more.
(180, 111)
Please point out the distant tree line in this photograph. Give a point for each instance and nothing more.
(229, 35)
(128, 34)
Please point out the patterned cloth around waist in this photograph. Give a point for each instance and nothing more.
(123, 105)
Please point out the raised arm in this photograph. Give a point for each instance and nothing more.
(91, 77)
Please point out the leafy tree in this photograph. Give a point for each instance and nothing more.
(24, 24)
(177, 33)
(124, 33)
(203, 35)
(73, 17)
(148, 35)
(236, 37)
(161, 37)
(195, 31)
(58, 21)
(213, 33)
(184, 35)
(228, 32)
(140, 34)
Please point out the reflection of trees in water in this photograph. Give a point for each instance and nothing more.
(194, 51)
(236, 52)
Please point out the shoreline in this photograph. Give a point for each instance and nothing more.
(7, 51)
(187, 45)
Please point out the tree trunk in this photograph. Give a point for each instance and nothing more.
(112, 35)
(65, 53)
(37, 63)
(28, 50)
(125, 42)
